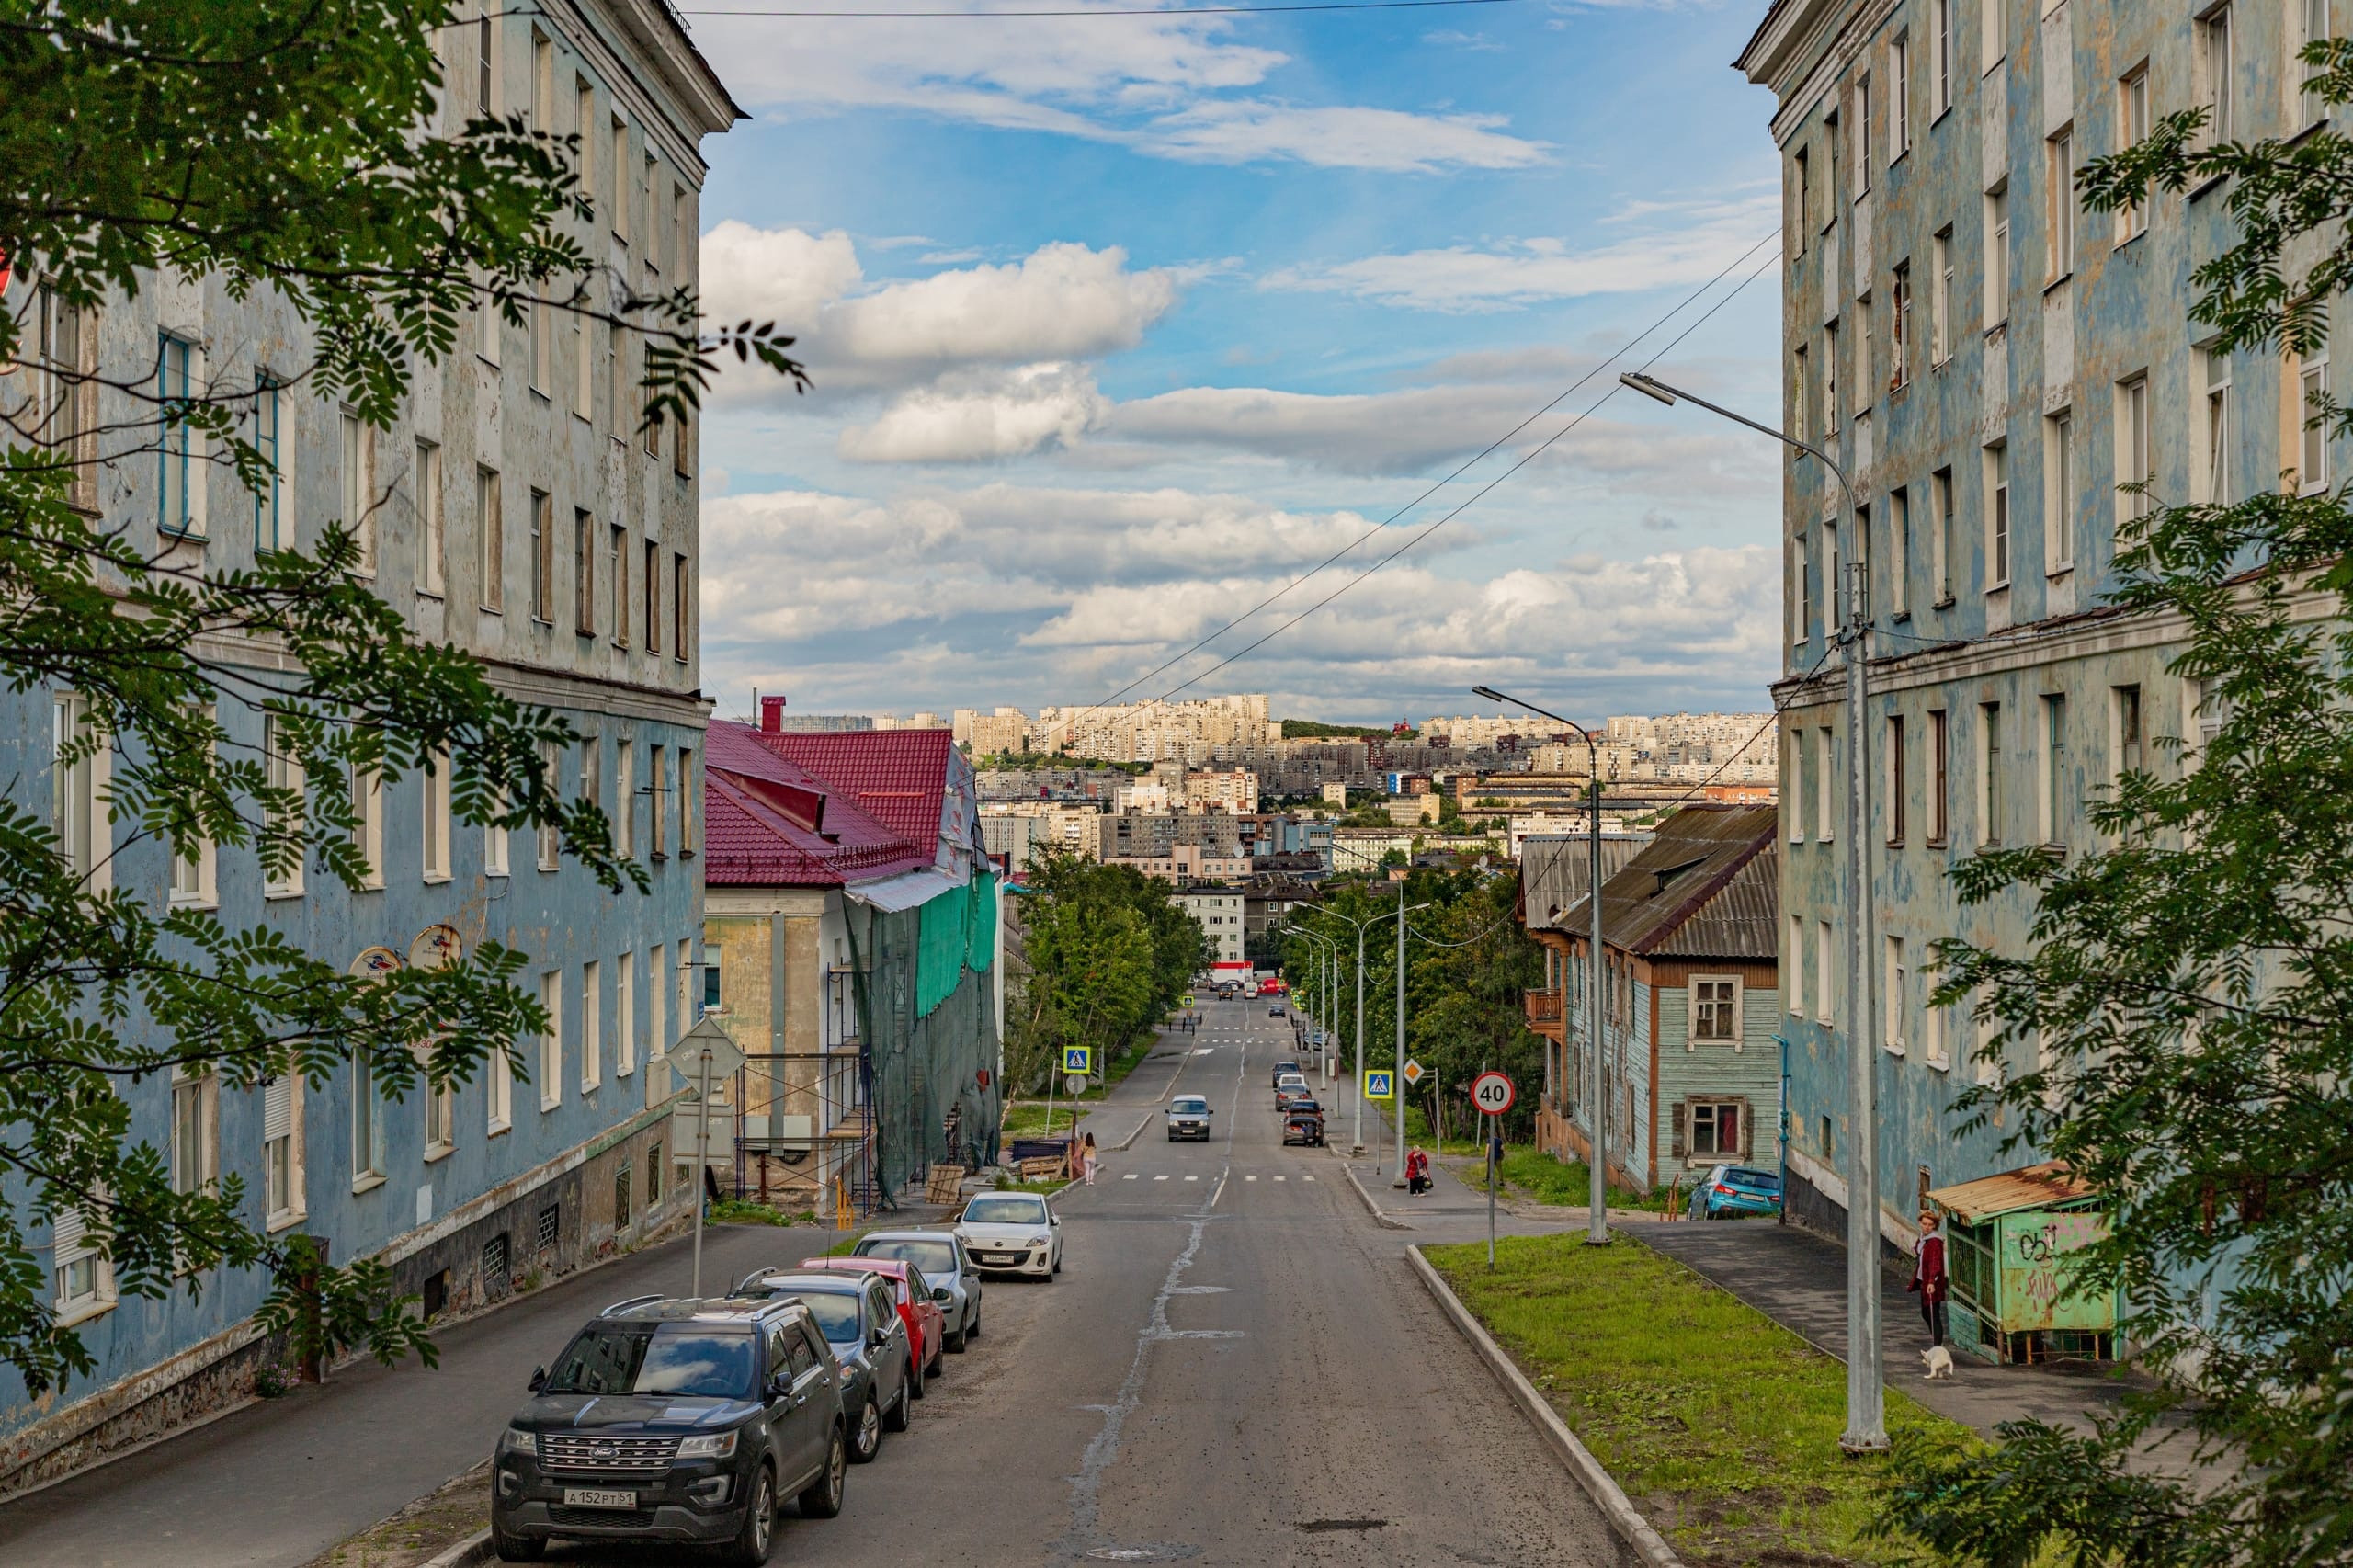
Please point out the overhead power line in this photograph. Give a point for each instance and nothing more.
(1390, 521)
(1117, 10)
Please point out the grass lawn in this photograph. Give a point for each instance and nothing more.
(1531, 1173)
(1024, 1119)
(1721, 1425)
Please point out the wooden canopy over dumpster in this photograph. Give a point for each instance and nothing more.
(2008, 1241)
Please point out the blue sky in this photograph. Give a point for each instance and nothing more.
(1119, 323)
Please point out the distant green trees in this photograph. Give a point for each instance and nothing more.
(1109, 956)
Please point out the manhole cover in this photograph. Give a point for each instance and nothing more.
(1342, 1524)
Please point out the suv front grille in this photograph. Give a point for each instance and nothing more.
(606, 1455)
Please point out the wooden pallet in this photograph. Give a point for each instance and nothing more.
(944, 1185)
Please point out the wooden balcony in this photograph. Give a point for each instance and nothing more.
(1543, 1012)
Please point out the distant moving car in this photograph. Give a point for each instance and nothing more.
(911, 1293)
(678, 1421)
(1727, 1190)
(1295, 1081)
(1189, 1117)
(1291, 1096)
(1012, 1233)
(860, 1321)
(1304, 1123)
(946, 1264)
(1283, 1067)
(1277, 1011)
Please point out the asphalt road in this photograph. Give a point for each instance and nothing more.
(1234, 1368)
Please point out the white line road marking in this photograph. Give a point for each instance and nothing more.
(1286, 1179)
(1130, 1176)
(1307, 1178)
(1254, 1178)
(1160, 1178)
(1197, 1179)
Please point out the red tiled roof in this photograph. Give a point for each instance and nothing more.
(768, 823)
(898, 776)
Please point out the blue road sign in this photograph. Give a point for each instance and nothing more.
(1380, 1084)
(1078, 1059)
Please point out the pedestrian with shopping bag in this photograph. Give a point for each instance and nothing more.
(1928, 1279)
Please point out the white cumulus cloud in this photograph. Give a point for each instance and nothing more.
(975, 418)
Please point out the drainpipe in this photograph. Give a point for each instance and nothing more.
(1783, 1217)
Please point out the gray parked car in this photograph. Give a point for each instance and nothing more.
(1189, 1117)
(955, 1278)
(860, 1321)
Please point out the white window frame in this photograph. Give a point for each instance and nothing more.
(498, 1078)
(1941, 283)
(1992, 41)
(273, 503)
(1831, 619)
(2211, 434)
(440, 1121)
(1863, 151)
(77, 1244)
(196, 1131)
(2058, 491)
(1794, 979)
(624, 1015)
(1934, 1050)
(1830, 412)
(1694, 1004)
(1940, 57)
(592, 1026)
(1825, 973)
(2312, 466)
(367, 1130)
(355, 452)
(1997, 256)
(2212, 67)
(2134, 462)
(498, 842)
(283, 1203)
(1899, 539)
(490, 541)
(551, 835)
(433, 524)
(2000, 523)
(194, 881)
(1990, 763)
(1940, 507)
(1894, 995)
(367, 832)
(687, 800)
(1715, 1107)
(2051, 793)
(78, 813)
(1826, 821)
(2132, 127)
(1899, 103)
(433, 795)
(2308, 22)
(180, 450)
(2059, 216)
(552, 1040)
(625, 798)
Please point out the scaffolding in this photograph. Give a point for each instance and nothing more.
(804, 1127)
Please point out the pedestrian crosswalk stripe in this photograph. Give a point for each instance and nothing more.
(1282, 1179)
(1307, 1178)
(1130, 1176)
(1160, 1178)
(1192, 1179)
(1254, 1178)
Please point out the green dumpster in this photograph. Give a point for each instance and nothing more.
(2009, 1240)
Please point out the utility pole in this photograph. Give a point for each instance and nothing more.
(1356, 1140)
(1397, 1083)
(1596, 1230)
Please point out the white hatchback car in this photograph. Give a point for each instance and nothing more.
(1012, 1233)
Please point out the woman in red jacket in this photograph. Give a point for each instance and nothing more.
(1928, 1278)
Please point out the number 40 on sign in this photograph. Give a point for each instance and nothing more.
(1492, 1093)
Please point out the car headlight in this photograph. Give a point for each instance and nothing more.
(1038, 1241)
(518, 1441)
(718, 1446)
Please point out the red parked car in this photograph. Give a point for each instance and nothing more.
(927, 1324)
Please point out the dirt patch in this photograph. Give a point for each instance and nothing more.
(419, 1532)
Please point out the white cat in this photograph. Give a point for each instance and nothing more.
(1939, 1361)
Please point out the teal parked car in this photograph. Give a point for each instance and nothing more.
(1728, 1192)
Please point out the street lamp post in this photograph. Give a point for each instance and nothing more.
(1866, 1412)
(1326, 953)
(1598, 1216)
(1356, 1139)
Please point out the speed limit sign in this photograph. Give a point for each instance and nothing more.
(1492, 1093)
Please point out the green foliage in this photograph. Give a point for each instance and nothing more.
(1033, 761)
(1109, 956)
(294, 150)
(2186, 995)
(1314, 729)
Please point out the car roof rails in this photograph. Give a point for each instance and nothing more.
(761, 1273)
(627, 1303)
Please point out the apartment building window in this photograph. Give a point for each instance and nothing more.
(174, 372)
(653, 587)
(2059, 194)
(433, 787)
(1801, 194)
(1898, 782)
(1992, 41)
(688, 786)
(66, 391)
(1997, 256)
(2055, 793)
(495, 840)
(621, 168)
(1830, 146)
(543, 83)
(2124, 702)
(192, 863)
(1942, 531)
(1899, 539)
(1989, 773)
(584, 125)
(1894, 997)
(1824, 805)
(592, 771)
(584, 573)
(1825, 973)
(2058, 491)
(368, 823)
(592, 1026)
(281, 1152)
(2131, 130)
(1796, 964)
(196, 1131)
(1830, 378)
(355, 450)
(1800, 593)
(624, 1015)
(1831, 619)
(2135, 466)
(269, 530)
(542, 350)
(486, 64)
(440, 1120)
(2311, 413)
(1940, 297)
(1997, 517)
(1940, 13)
(85, 1271)
(624, 798)
(657, 806)
(1900, 346)
(431, 533)
(678, 589)
(2211, 60)
(2311, 26)
(1899, 98)
(681, 444)
(583, 369)
(367, 1129)
(552, 1040)
(617, 575)
(490, 535)
(2214, 429)
(1940, 778)
(498, 1081)
(542, 557)
(1866, 354)
(282, 773)
(551, 834)
(1863, 159)
(1800, 393)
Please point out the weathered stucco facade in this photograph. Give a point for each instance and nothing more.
(1990, 362)
(517, 511)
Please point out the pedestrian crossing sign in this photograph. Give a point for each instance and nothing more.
(1379, 1084)
(1078, 1059)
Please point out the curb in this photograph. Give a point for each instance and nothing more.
(1607, 1494)
(474, 1548)
(1121, 1146)
(1371, 1207)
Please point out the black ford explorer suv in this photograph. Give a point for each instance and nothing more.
(675, 1420)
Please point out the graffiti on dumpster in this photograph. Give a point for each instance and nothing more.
(2036, 1269)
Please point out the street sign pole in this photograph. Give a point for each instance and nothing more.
(702, 1165)
(717, 1056)
(1494, 1094)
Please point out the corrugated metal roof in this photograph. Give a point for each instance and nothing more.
(898, 776)
(1554, 871)
(769, 822)
(1705, 886)
(2028, 1186)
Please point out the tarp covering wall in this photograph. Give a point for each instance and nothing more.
(925, 1052)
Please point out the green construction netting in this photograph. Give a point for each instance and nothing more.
(959, 933)
(924, 1063)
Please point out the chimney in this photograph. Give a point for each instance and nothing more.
(771, 714)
